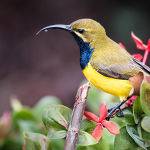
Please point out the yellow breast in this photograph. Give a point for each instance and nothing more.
(116, 87)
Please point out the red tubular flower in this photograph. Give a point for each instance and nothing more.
(148, 45)
(131, 100)
(140, 45)
(101, 123)
(138, 56)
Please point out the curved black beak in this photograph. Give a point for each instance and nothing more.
(56, 26)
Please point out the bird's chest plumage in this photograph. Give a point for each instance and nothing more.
(85, 55)
(85, 51)
(117, 87)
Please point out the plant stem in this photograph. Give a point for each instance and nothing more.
(145, 56)
(77, 114)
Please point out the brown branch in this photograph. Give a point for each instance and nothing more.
(77, 114)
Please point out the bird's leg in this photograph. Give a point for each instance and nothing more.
(120, 113)
(116, 108)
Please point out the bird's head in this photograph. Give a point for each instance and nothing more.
(87, 30)
(88, 34)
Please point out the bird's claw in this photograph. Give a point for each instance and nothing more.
(115, 109)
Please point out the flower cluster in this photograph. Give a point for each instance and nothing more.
(101, 123)
(140, 45)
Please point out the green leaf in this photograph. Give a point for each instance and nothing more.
(128, 116)
(10, 144)
(27, 125)
(23, 114)
(56, 116)
(102, 145)
(86, 139)
(137, 110)
(120, 121)
(53, 134)
(36, 141)
(109, 138)
(145, 123)
(57, 144)
(145, 135)
(134, 135)
(87, 125)
(139, 130)
(43, 104)
(145, 97)
(105, 143)
(124, 142)
(16, 104)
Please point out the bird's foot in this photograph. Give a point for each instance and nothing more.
(120, 113)
(116, 109)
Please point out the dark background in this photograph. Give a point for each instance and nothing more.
(34, 66)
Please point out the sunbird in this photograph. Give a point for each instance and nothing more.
(104, 63)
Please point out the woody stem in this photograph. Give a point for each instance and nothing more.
(77, 114)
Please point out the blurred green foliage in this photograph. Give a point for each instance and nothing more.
(44, 126)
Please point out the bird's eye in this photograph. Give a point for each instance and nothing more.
(81, 31)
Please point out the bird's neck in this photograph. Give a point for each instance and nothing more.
(85, 52)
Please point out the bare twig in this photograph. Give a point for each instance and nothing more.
(77, 114)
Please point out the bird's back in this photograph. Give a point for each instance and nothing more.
(113, 61)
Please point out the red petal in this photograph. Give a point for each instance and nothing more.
(122, 45)
(98, 132)
(138, 42)
(111, 127)
(148, 45)
(130, 101)
(103, 112)
(138, 56)
(91, 116)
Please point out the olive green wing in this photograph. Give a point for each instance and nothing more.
(119, 71)
(113, 61)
